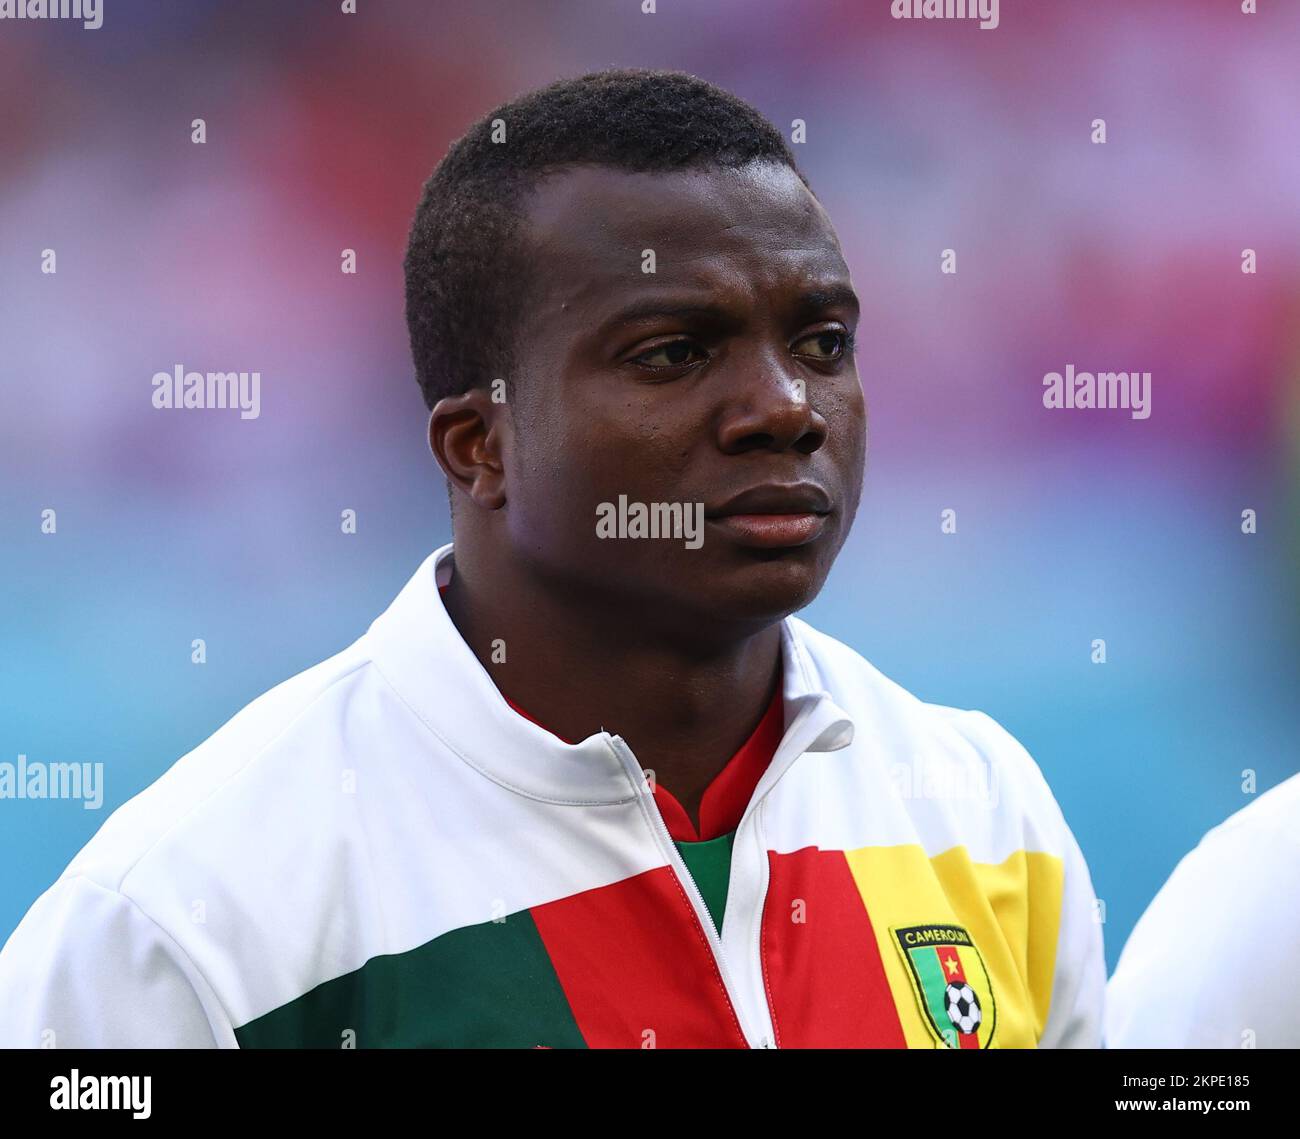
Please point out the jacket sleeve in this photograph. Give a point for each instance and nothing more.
(86, 968)
(1065, 921)
(1077, 1008)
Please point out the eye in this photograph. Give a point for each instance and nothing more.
(829, 344)
(676, 355)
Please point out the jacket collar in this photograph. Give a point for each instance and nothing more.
(417, 648)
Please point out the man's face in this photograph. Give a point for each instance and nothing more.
(732, 378)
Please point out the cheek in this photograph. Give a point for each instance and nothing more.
(846, 417)
(861, 449)
(636, 446)
(560, 472)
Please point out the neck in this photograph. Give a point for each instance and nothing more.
(579, 663)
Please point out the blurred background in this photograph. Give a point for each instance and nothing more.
(922, 136)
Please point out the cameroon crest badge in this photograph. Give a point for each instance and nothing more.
(951, 983)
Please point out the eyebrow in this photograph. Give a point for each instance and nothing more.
(807, 304)
(814, 300)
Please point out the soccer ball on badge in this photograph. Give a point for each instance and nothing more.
(963, 1007)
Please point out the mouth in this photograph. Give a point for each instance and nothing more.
(773, 517)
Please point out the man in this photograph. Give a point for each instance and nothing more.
(633, 325)
(1205, 966)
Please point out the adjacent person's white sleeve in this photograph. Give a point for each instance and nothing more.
(86, 968)
(1207, 965)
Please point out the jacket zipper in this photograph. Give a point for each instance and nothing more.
(802, 734)
(702, 915)
(798, 738)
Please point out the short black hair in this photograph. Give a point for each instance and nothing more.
(467, 271)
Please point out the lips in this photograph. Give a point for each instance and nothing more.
(796, 498)
(773, 517)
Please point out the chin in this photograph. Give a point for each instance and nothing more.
(764, 586)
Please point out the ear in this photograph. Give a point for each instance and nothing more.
(466, 433)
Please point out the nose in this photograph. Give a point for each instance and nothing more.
(773, 413)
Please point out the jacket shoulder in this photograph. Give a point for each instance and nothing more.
(932, 741)
(273, 743)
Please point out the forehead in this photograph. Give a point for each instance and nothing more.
(745, 230)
